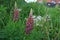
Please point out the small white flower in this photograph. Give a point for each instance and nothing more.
(48, 17)
(34, 16)
(39, 18)
(19, 9)
(29, 1)
(49, 4)
(37, 24)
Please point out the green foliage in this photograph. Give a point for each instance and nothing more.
(10, 30)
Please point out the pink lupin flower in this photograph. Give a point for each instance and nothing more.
(16, 11)
(29, 23)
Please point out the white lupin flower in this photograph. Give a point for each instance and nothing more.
(39, 18)
(29, 1)
(34, 16)
(20, 9)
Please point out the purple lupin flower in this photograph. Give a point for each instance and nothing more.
(16, 12)
(29, 23)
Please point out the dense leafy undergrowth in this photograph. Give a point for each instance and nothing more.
(10, 30)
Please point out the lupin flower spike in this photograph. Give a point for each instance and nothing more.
(16, 11)
(15, 4)
(31, 12)
(29, 23)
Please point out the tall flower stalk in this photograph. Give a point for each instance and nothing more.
(29, 23)
(16, 12)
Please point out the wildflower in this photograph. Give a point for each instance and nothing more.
(19, 9)
(30, 1)
(39, 17)
(34, 16)
(37, 21)
(16, 11)
(47, 18)
(29, 23)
